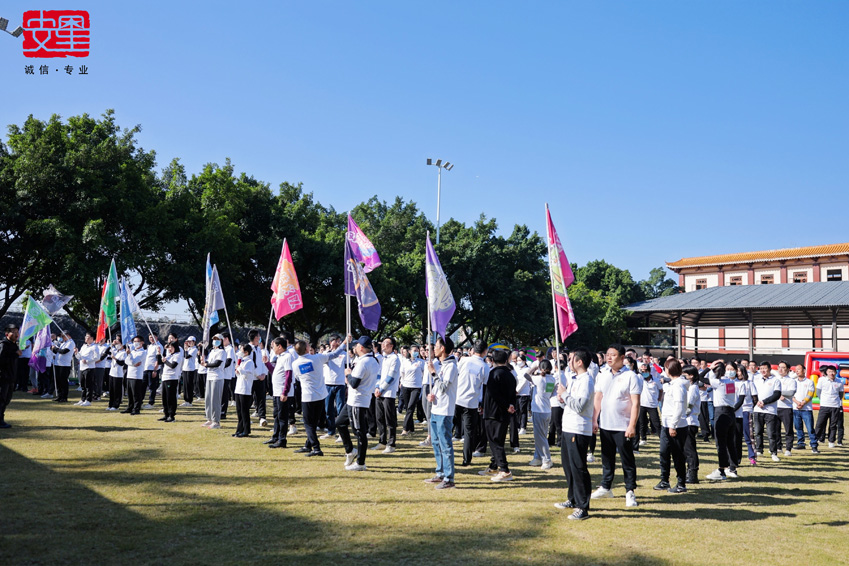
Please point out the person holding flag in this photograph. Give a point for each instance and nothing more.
(88, 356)
(64, 352)
(9, 353)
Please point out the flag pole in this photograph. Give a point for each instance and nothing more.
(427, 299)
(551, 281)
(347, 296)
(268, 332)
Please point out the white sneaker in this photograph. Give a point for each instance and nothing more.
(80, 403)
(602, 493)
(46, 396)
(147, 406)
(161, 410)
(350, 458)
(425, 443)
(389, 450)
(356, 468)
(590, 458)
(523, 431)
(293, 429)
(716, 475)
(760, 454)
(85, 404)
(185, 404)
(775, 458)
(325, 437)
(516, 450)
(630, 499)
(535, 462)
(642, 443)
(231, 404)
(263, 422)
(731, 473)
(546, 465)
(831, 445)
(254, 415)
(369, 435)
(207, 423)
(378, 447)
(215, 425)
(338, 440)
(787, 453)
(477, 454)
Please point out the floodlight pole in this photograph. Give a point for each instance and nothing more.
(438, 198)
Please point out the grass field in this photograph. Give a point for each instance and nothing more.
(84, 486)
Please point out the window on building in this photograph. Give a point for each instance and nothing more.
(736, 280)
(800, 277)
(767, 279)
(834, 275)
(701, 284)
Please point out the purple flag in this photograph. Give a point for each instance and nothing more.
(439, 298)
(361, 247)
(357, 285)
(42, 341)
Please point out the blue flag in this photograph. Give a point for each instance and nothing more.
(128, 324)
(213, 316)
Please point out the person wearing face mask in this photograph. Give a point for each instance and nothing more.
(649, 400)
(216, 377)
(171, 363)
(744, 392)
(523, 391)
(190, 373)
(769, 391)
(675, 429)
(385, 392)
(412, 374)
(334, 381)
(134, 359)
(784, 407)
(691, 451)
(88, 356)
(116, 375)
(722, 379)
(246, 372)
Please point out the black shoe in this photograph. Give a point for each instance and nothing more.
(270, 441)
(126, 412)
(303, 450)
(135, 413)
(5, 425)
(162, 419)
(579, 515)
(315, 453)
(277, 444)
(169, 420)
(465, 464)
(663, 484)
(692, 476)
(680, 488)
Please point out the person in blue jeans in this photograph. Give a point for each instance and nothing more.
(443, 396)
(803, 410)
(337, 391)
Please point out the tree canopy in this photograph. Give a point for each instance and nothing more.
(76, 193)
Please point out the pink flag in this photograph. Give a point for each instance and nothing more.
(361, 247)
(286, 297)
(561, 278)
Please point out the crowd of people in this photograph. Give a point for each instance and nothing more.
(350, 391)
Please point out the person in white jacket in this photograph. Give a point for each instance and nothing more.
(674, 429)
(246, 373)
(88, 356)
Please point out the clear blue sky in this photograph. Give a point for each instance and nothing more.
(656, 129)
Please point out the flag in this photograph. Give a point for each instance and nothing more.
(101, 319)
(286, 296)
(214, 316)
(54, 300)
(561, 277)
(357, 285)
(361, 247)
(439, 298)
(128, 325)
(110, 295)
(531, 354)
(214, 301)
(39, 357)
(498, 346)
(35, 318)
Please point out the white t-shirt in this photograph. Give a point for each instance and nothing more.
(191, 359)
(578, 405)
(245, 376)
(168, 373)
(650, 395)
(229, 371)
(135, 363)
(724, 390)
(788, 389)
(150, 358)
(105, 362)
(830, 392)
(278, 377)
(390, 375)
(523, 386)
(220, 372)
(473, 372)
(367, 369)
(694, 404)
(744, 390)
(334, 371)
(88, 355)
(64, 360)
(674, 411)
(309, 368)
(543, 389)
(445, 388)
(560, 378)
(805, 391)
(118, 355)
(616, 393)
(412, 372)
(765, 388)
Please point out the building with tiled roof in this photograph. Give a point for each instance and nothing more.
(810, 264)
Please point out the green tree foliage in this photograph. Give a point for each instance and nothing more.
(74, 194)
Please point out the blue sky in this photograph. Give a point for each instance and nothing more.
(655, 130)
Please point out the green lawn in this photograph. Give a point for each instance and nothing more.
(86, 486)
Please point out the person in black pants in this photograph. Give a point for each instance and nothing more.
(499, 408)
(170, 363)
(9, 353)
(674, 429)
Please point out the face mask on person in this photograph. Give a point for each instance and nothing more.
(415, 355)
(59, 340)
(731, 373)
(216, 343)
(646, 375)
(137, 345)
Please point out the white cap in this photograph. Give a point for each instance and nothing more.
(191, 339)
